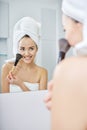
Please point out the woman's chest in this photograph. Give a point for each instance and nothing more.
(29, 76)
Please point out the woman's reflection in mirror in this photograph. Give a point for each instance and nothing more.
(28, 76)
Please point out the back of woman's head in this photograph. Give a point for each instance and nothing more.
(77, 11)
(74, 9)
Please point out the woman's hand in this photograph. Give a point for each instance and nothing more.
(17, 81)
(48, 97)
(12, 79)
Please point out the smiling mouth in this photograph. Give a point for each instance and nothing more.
(27, 57)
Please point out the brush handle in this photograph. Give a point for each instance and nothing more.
(16, 68)
(13, 70)
(61, 56)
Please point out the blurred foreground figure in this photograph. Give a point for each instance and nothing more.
(69, 95)
(67, 92)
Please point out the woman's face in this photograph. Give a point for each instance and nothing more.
(73, 30)
(27, 48)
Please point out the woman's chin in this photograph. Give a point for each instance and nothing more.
(27, 61)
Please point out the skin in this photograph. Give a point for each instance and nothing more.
(67, 92)
(69, 95)
(26, 70)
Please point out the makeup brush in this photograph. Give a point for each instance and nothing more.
(63, 48)
(18, 57)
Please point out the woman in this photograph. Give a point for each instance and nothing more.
(28, 76)
(67, 97)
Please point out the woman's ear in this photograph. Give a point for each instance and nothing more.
(37, 47)
(80, 25)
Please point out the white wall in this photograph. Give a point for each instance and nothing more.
(3, 33)
(48, 47)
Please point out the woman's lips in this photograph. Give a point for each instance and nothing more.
(28, 57)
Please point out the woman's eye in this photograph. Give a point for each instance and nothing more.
(31, 48)
(22, 48)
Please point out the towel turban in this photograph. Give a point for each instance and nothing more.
(76, 9)
(26, 26)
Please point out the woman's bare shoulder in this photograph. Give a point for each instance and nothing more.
(71, 70)
(7, 66)
(42, 69)
(72, 63)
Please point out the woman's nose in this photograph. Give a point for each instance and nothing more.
(26, 52)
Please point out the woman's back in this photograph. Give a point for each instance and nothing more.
(69, 101)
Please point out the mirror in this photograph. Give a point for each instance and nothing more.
(48, 13)
(43, 11)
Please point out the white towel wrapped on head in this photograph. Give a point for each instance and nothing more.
(26, 26)
(76, 9)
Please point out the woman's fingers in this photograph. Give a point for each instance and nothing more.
(11, 78)
(48, 105)
(50, 85)
(48, 96)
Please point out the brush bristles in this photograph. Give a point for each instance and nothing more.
(18, 57)
(63, 45)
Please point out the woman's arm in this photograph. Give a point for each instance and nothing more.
(4, 81)
(48, 96)
(43, 79)
(23, 87)
(7, 79)
(15, 80)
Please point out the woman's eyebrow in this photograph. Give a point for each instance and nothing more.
(32, 46)
(24, 46)
(21, 46)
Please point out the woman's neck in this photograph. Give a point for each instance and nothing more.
(27, 66)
